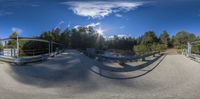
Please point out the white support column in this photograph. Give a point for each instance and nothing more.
(17, 46)
(49, 48)
(189, 49)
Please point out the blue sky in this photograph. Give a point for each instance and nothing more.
(110, 17)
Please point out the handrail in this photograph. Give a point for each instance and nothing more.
(127, 58)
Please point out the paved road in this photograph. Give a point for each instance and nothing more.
(75, 76)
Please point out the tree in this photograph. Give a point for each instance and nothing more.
(141, 49)
(181, 39)
(65, 38)
(149, 38)
(121, 43)
(1, 46)
(196, 48)
(54, 35)
(164, 38)
(12, 40)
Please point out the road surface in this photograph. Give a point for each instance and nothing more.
(75, 76)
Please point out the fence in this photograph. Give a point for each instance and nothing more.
(188, 52)
(126, 58)
(17, 55)
(194, 57)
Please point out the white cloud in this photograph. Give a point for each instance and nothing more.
(18, 30)
(93, 24)
(96, 27)
(59, 24)
(76, 26)
(100, 9)
(118, 15)
(119, 35)
(122, 35)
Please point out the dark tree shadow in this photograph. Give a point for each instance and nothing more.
(127, 68)
(72, 68)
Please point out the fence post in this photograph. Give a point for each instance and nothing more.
(189, 49)
(17, 46)
(49, 48)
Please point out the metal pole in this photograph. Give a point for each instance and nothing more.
(49, 48)
(17, 47)
(189, 50)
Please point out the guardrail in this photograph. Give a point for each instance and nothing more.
(195, 57)
(7, 59)
(126, 58)
(29, 59)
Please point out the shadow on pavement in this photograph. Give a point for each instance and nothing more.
(126, 68)
(72, 68)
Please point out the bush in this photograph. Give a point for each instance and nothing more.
(161, 47)
(141, 49)
(196, 49)
(1, 46)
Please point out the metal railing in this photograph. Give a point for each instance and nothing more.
(31, 55)
(192, 56)
(126, 58)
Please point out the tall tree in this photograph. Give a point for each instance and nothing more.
(1, 45)
(149, 38)
(12, 40)
(164, 38)
(181, 38)
(65, 38)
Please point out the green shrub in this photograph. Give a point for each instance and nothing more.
(161, 47)
(1, 46)
(141, 49)
(196, 49)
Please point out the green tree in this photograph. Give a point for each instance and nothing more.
(65, 38)
(196, 49)
(121, 43)
(12, 40)
(181, 39)
(164, 38)
(141, 49)
(1, 46)
(149, 38)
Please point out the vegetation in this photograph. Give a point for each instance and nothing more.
(150, 42)
(164, 39)
(196, 49)
(12, 42)
(181, 39)
(87, 37)
(141, 49)
(121, 43)
(1, 46)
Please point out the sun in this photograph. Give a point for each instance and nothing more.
(100, 31)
